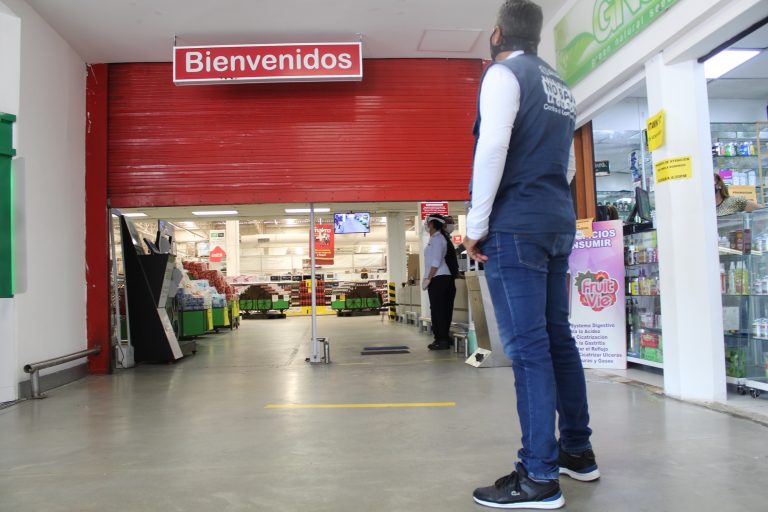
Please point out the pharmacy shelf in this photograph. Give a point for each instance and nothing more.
(735, 252)
(744, 381)
(644, 362)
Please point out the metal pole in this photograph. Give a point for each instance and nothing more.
(35, 381)
(116, 293)
(315, 357)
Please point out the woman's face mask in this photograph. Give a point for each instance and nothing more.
(449, 228)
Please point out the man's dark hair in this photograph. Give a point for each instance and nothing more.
(521, 22)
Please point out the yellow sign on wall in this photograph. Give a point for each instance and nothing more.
(747, 191)
(674, 169)
(655, 126)
(584, 227)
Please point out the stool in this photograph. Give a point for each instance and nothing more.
(459, 337)
(426, 324)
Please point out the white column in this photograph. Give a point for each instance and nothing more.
(691, 305)
(232, 247)
(8, 353)
(397, 259)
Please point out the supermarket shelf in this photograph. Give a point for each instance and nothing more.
(638, 295)
(642, 264)
(644, 362)
(649, 329)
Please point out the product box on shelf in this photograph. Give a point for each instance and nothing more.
(736, 362)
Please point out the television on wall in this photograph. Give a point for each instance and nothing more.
(355, 222)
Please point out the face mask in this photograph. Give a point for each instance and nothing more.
(449, 228)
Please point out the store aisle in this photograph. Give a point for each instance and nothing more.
(196, 436)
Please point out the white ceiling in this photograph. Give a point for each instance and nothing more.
(143, 30)
(750, 80)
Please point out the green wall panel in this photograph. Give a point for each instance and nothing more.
(6, 205)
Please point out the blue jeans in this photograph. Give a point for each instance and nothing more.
(527, 278)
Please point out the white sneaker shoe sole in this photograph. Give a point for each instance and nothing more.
(536, 505)
(581, 477)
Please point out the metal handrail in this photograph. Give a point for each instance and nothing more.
(34, 368)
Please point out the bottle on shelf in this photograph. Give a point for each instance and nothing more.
(722, 278)
(731, 279)
(745, 281)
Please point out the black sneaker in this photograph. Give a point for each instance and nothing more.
(518, 491)
(439, 346)
(579, 466)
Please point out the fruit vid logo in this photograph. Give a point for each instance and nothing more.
(597, 291)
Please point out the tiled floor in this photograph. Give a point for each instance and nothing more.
(199, 435)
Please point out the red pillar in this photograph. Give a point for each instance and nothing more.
(97, 219)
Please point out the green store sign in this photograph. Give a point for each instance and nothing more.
(593, 30)
(6, 205)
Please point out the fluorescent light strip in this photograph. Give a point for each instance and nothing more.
(215, 213)
(135, 214)
(307, 210)
(726, 61)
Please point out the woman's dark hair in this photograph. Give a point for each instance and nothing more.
(723, 187)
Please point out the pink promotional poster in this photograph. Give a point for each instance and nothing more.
(598, 311)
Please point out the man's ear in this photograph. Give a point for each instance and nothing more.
(496, 36)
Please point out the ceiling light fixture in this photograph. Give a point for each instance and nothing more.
(215, 213)
(134, 214)
(307, 210)
(726, 61)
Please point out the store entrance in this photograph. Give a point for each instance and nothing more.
(246, 270)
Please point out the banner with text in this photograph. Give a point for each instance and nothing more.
(598, 315)
(593, 30)
(305, 62)
(324, 250)
(434, 207)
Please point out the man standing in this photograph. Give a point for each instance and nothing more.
(522, 227)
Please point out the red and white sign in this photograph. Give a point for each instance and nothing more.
(217, 255)
(324, 239)
(457, 239)
(441, 208)
(306, 62)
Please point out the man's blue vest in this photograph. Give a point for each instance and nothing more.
(534, 195)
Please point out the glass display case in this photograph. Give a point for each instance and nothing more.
(743, 248)
(740, 155)
(644, 338)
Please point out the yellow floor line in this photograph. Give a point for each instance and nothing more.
(358, 406)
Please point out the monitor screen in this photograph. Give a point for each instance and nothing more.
(345, 223)
(643, 204)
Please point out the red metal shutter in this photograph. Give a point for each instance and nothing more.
(402, 134)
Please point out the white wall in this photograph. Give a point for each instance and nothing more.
(10, 57)
(737, 111)
(50, 195)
